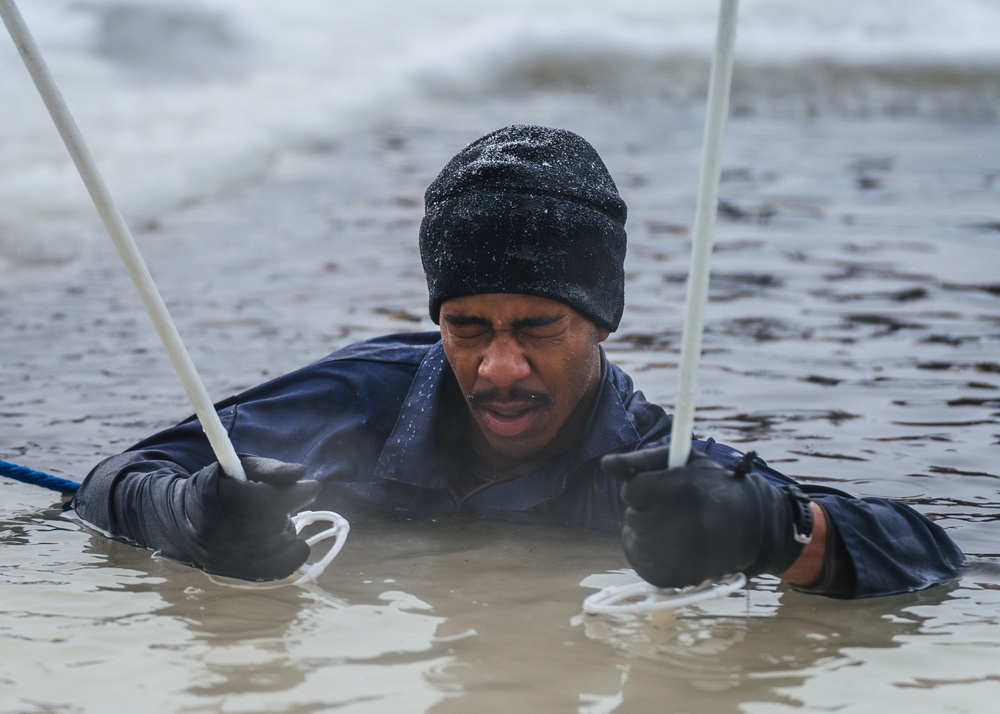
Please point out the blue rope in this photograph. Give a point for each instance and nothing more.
(37, 478)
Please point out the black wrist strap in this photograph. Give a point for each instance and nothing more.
(802, 516)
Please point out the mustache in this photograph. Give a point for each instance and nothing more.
(514, 395)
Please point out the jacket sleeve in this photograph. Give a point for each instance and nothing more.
(331, 417)
(117, 491)
(126, 493)
(890, 547)
(876, 546)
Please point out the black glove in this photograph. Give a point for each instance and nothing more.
(221, 525)
(701, 522)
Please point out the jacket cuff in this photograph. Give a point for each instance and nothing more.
(839, 579)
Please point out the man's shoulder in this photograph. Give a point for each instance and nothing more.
(379, 367)
(620, 382)
(400, 348)
(650, 421)
(617, 377)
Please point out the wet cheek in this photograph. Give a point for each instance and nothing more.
(463, 365)
(466, 374)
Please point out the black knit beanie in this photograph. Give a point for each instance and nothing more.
(529, 210)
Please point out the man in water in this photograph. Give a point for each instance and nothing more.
(512, 410)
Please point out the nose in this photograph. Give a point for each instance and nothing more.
(503, 363)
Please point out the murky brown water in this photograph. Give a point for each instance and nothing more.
(853, 337)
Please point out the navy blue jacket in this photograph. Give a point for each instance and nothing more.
(375, 424)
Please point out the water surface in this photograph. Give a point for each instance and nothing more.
(852, 339)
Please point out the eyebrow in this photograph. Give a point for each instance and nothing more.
(462, 320)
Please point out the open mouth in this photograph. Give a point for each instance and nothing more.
(507, 420)
(508, 414)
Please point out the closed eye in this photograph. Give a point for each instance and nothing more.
(539, 327)
(466, 326)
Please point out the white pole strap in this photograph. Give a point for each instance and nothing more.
(642, 598)
(119, 232)
(701, 245)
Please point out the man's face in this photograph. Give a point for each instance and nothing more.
(525, 364)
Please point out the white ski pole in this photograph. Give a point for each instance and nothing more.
(119, 232)
(701, 244)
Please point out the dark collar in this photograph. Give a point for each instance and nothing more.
(425, 427)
